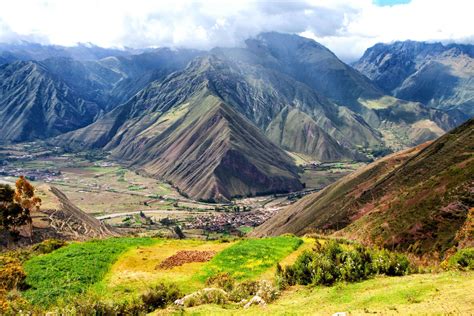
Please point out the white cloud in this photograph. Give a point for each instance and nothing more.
(346, 27)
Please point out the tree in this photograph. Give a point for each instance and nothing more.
(16, 205)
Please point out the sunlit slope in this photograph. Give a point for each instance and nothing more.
(418, 199)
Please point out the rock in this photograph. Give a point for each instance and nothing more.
(339, 314)
(204, 296)
(256, 300)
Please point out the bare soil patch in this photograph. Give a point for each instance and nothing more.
(186, 256)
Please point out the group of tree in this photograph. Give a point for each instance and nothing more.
(16, 205)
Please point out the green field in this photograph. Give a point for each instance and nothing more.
(72, 269)
(249, 258)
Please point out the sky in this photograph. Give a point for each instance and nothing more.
(346, 27)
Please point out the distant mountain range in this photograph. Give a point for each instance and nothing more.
(216, 124)
(437, 75)
(419, 200)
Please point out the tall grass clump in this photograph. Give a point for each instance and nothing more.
(332, 261)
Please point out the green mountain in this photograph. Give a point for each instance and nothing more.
(41, 99)
(419, 199)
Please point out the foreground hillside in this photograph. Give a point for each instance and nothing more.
(137, 276)
(419, 199)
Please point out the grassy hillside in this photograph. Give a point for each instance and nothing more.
(115, 275)
(420, 294)
(417, 200)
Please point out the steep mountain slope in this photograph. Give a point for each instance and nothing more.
(203, 146)
(313, 65)
(419, 199)
(59, 218)
(137, 71)
(433, 74)
(261, 95)
(40, 99)
(34, 104)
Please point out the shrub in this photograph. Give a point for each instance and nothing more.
(48, 246)
(267, 291)
(12, 275)
(389, 263)
(160, 295)
(90, 305)
(463, 259)
(244, 290)
(221, 280)
(332, 261)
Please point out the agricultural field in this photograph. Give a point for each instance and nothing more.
(122, 269)
(128, 199)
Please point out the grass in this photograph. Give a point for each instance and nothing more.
(426, 294)
(73, 269)
(136, 270)
(250, 257)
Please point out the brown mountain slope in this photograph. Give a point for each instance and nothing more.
(418, 199)
(210, 152)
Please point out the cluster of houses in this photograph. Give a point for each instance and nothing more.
(46, 175)
(217, 222)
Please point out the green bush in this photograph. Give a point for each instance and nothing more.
(332, 261)
(160, 295)
(463, 259)
(389, 263)
(48, 246)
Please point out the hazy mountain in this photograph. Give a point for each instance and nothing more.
(418, 199)
(34, 104)
(32, 51)
(440, 76)
(60, 94)
(401, 123)
(263, 96)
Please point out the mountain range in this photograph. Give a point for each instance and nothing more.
(216, 124)
(437, 75)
